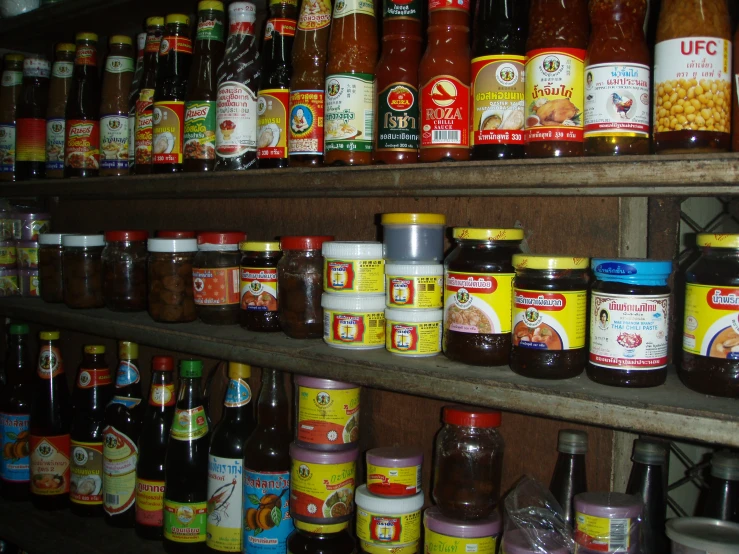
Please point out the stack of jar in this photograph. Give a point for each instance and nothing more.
(413, 246)
(19, 252)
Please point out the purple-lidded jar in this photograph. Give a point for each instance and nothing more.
(443, 533)
(394, 471)
(516, 541)
(615, 511)
(327, 414)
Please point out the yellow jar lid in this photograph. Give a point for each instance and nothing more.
(65, 47)
(475, 233)
(177, 18)
(128, 350)
(13, 57)
(49, 335)
(86, 36)
(94, 349)
(120, 39)
(544, 261)
(413, 219)
(715, 240)
(210, 5)
(238, 371)
(321, 529)
(257, 246)
(154, 21)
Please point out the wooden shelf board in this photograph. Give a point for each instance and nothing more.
(670, 410)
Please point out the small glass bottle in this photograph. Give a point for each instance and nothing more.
(259, 286)
(569, 478)
(124, 271)
(82, 266)
(723, 488)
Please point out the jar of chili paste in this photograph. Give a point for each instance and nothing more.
(259, 285)
(215, 278)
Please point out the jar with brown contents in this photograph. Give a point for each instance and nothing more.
(170, 280)
(51, 281)
(82, 266)
(124, 271)
(215, 277)
(259, 285)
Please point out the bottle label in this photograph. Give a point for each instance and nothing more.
(354, 276)
(55, 131)
(189, 425)
(125, 401)
(82, 144)
(225, 490)
(175, 44)
(328, 416)
(114, 142)
(410, 291)
(200, 130)
(167, 130)
(127, 374)
(478, 303)
(144, 126)
(86, 473)
(49, 362)
(456, 5)
(397, 117)
(281, 26)
(352, 7)
(393, 481)
(388, 529)
(436, 542)
(120, 455)
(602, 534)
(62, 70)
(617, 100)
(96, 377)
(272, 122)
(185, 522)
(322, 490)
(49, 460)
(15, 465)
(554, 94)
(711, 323)
(237, 394)
(350, 111)
(549, 320)
(153, 43)
(30, 140)
(401, 9)
(445, 113)
(119, 64)
(305, 133)
(12, 78)
(149, 502)
(267, 520)
(236, 119)
(210, 29)
(354, 330)
(497, 100)
(258, 289)
(162, 395)
(413, 339)
(86, 55)
(216, 286)
(315, 15)
(7, 148)
(293, 3)
(629, 332)
(36, 67)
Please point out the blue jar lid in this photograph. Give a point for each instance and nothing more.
(632, 271)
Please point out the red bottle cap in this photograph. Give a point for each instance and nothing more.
(304, 243)
(126, 236)
(162, 363)
(471, 417)
(176, 234)
(221, 238)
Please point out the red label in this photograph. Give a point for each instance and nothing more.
(305, 128)
(50, 362)
(723, 299)
(355, 322)
(49, 460)
(167, 132)
(83, 144)
(390, 527)
(216, 287)
(402, 292)
(445, 113)
(478, 284)
(241, 28)
(175, 44)
(343, 269)
(317, 432)
(97, 377)
(30, 140)
(541, 301)
(404, 337)
(153, 43)
(284, 27)
(272, 123)
(460, 5)
(86, 55)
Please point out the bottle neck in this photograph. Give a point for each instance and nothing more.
(189, 396)
(161, 393)
(17, 366)
(272, 404)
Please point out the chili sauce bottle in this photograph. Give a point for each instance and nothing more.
(117, 80)
(61, 82)
(10, 90)
(145, 99)
(30, 137)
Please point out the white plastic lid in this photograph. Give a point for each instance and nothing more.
(352, 250)
(83, 241)
(172, 245)
(353, 302)
(420, 270)
(51, 238)
(387, 505)
(704, 534)
(413, 316)
(242, 11)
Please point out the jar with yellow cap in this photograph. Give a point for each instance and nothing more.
(710, 356)
(478, 288)
(117, 80)
(410, 238)
(259, 285)
(550, 302)
(12, 81)
(310, 538)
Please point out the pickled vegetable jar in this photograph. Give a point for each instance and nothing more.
(83, 270)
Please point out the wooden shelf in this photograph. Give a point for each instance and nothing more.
(670, 410)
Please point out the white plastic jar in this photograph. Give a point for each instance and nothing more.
(415, 333)
(414, 287)
(388, 521)
(353, 322)
(353, 267)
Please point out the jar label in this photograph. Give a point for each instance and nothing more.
(144, 126)
(445, 113)
(711, 325)
(49, 460)
(388, 529)
(8, 255)
(402, 9)
(189, 425)
(413, 339)
(457, 5)
(478, 303)
(371, 548)
(272, 131)
(162, 395)
(127, 374)
(354, 276)
(436, 543)
(236, 120)
(50, 362)
(629, 332)
(267, 519)
(216, 286)
(86, 473)
(200, 130)
(30, 140)
(601, 534)
(55, 132)
(27, 257)
(354, 330)
(350, 111)
(393, 481)
(305, 132)
(397, 118)
(555, 95)
(617, 100)
(185, 522)
(149, 502)
(696, 70)
(497, 99)
(62, 70)
(7, 148)
(225, 489)
(259, 289)
(322, 491)
(328, 416)
(167, 131)
(353, 7)
(14, 464)
(549, 320)
(94, 377)
(82, 145)
(120, 455)
(238, 393)
(114, 142)
(9, 285)
(315, 15)
(408, 291)
(119, 64)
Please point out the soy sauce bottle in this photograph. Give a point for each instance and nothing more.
(30, 137)
(569, 477)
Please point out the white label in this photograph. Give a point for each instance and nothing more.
(120, 455)
(629, 332)
(118, 64)
(236, 120)
(350, 112)
(7, 148)
(225, 494)
(62, 70)
(55, 143)
(617, 100)
(12, 78)
(36, 67)
(114, 142)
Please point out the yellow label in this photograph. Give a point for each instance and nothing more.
(549, 320)
(602, 534)
(436, 543)
(478, 303)
(413, 339)
(711, 324)
(393, 481)
(8, 255)
(328, 416)
(388, 529)
(407, 291)
(322, 491)
(354, 276)
(358, 330)
(370, 548)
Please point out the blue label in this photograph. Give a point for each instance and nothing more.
(615, 268)
(127, 374)
(124, 400)
(238, 393)
(15, 463)
(267, 521)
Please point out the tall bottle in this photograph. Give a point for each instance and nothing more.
(145, 100)
(50, 421)
(10, 90)
(61, 83)
(133, 97)
(238, 83)
(91, 395)
(117, 80)
(648, 481)
(225, 463)
(186, 467)
(30, 132)
(82, 140)
(123, 417)
(267, 470)
(350, 84)
(569, 478)
(175, 57)
(15, 410)
(498, 53)
(152, 444)
(722, 501)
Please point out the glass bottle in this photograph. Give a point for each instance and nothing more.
(569, 478)
(145, 99)
(30, 138)
(61, 83)
(723, 488)
(10, 90)
(133, 97)
(648, 482)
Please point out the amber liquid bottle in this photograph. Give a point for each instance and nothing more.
(30, 133)
(569, 478)
(117, 81)
(648, 481)
(145, 100)
(61, 81)
(10, 90)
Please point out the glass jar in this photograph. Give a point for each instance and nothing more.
(176, 234)
(170, 280)
(311, 538)
(469, 460)
(300, 285)
(478, 289)
(710, 357)
(124, 271)
(259, 286)
(82, 267)
(629, 322)
(550, 308)
(215, 277)
(50, 275)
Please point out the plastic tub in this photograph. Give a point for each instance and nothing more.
(606, 520)
(414, 333)
(327, 414)
(388, 521)
(414, 286)
(353, 267)
(394, 471)
(516, 541)
(353, 322)
(28, 282)
(413, 238)
(444, 534)
(702, 535)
